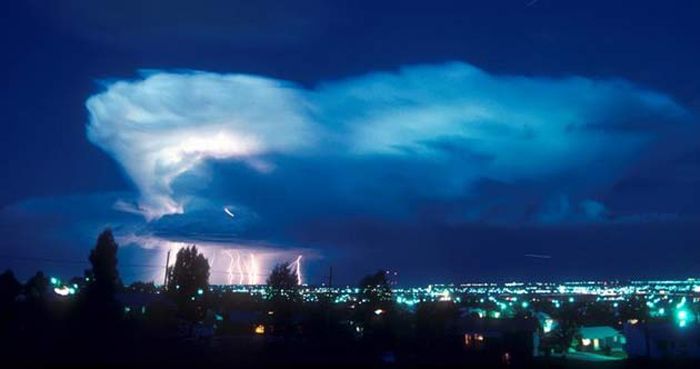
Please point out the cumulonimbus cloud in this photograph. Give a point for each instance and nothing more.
(509, 128)
(164, 125)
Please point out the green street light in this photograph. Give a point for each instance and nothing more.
(683, 317)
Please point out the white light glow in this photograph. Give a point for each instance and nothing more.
(63, 291)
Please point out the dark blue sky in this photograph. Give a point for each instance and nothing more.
(444, 139)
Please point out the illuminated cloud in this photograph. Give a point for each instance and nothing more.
(166, 124)
(458, 124)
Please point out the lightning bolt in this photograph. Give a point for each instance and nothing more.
(229, 271)
(212, 265)
(247, 271)
(297, 264)
(241, 277)
(253, 270)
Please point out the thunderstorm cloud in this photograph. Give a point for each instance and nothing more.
(163, 126)
(445, 134)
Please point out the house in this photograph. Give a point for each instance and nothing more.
(663, 340)
(601, 340)
(547, 323)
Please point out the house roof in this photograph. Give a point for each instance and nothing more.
(598, 332)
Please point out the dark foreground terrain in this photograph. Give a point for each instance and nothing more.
(142, 351)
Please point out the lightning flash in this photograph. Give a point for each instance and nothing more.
(297, 269)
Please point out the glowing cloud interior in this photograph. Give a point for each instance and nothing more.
(476, 125)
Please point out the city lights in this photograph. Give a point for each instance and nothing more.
(499, 301)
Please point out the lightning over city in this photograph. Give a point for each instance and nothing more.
(329, 184)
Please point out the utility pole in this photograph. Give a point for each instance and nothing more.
(330, 277)
(165, 278)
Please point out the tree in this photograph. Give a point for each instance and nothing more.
(596, 313)
(283, 284)
(104, 264)
(98, 315)
(376, 314)
(35, 311)
(189, 277)
(37, 286)
(98, 309)
(436, 323)
(148, 287)
(568, 323)
(282, 278)
(375, 288)
(10, 288)
(634, 308)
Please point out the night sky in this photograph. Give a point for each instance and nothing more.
(450, 141)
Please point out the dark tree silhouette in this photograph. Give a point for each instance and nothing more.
(97, 321)
(282, 277)
(634, 308)
(189, 275)
(375, 288)
(568, 323)
(105, 276)
(10, 288)
(377, 314)
(595, 313)
(282, 283)
(435, 323)
(98, 308)
(34, 312)
(37, 286)
(139, 286)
